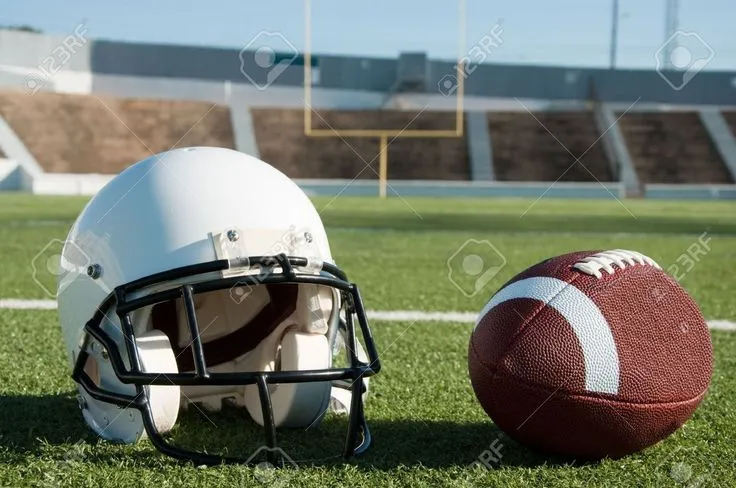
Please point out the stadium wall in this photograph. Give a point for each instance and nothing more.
(35, 52)
(14, 178)
(212, 74)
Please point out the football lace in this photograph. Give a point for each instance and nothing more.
(608, 260)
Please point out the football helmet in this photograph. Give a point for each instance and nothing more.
(200, 275)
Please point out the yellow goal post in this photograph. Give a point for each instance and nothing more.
(385, 134)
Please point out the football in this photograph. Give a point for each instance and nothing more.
(590, 354)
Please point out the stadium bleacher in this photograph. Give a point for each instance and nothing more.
(730, 116)
(539, 121)
(281, 139)
(672, 147)
(543, 147)
(89, 134)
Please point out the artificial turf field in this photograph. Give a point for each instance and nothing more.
(428, 428)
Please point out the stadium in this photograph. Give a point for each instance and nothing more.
(444, 152)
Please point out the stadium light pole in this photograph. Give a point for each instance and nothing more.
(671, 24)
(614, 35)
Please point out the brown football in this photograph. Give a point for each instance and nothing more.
(591, 354)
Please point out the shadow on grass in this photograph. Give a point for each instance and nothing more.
(52, 426)
(29, 420)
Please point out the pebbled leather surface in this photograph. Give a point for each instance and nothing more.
(528, 367)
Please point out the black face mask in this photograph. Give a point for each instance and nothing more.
(282, 289)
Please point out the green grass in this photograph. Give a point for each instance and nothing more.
(428, 428)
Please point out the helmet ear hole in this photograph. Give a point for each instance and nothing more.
(296, 404)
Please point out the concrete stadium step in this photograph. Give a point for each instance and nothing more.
(543, 147)
(730, 117)
(672, 148)
(282, 142)
(90, 134)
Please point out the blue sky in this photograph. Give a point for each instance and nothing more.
(562, 32)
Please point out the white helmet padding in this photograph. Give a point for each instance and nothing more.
(267, 328)
(296, 404)
(126, 425)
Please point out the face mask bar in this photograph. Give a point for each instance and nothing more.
(124, 306)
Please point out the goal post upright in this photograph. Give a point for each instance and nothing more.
(385, 136)
(383, 166)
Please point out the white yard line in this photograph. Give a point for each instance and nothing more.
(722, 325)
(384, 315)
(23, 304)
(420, 316)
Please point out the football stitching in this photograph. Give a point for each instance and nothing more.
(621, 258)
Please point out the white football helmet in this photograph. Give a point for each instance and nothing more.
(203, 274)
